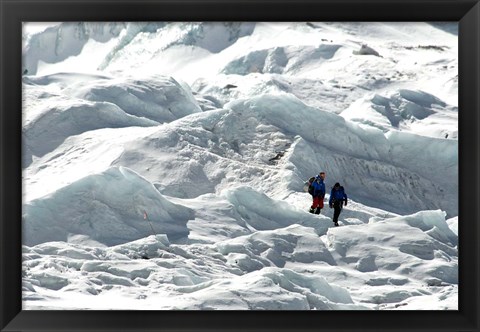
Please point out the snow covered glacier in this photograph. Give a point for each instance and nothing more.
(164, 166)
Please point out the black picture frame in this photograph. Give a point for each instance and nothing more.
(14, 12)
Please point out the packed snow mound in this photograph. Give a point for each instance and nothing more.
(273, 289)
(393, 260)
(263, 213)
(406, 109)
(63, 80)
(289, 59)
(276, 247)
(433, 223)
(325, 95)
(67, 39)
(158, 98)
(417, 241)
(87, 207)
(96, 152)
(366, 50)
(379, 32)
(54, 123)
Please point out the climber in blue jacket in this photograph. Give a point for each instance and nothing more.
(317, 191)
(338, 198)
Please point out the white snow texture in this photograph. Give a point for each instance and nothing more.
(164, 166)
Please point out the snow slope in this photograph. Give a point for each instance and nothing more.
(164, 166)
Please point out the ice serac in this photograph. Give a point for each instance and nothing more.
(215, 36)
(67, 39)
(158, 98)
(273, 142)
(386, 171)
(108, 207)
(68, 104)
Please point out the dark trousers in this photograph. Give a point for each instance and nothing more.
(337, 208)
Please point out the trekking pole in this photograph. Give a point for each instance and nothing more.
(145, 217)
